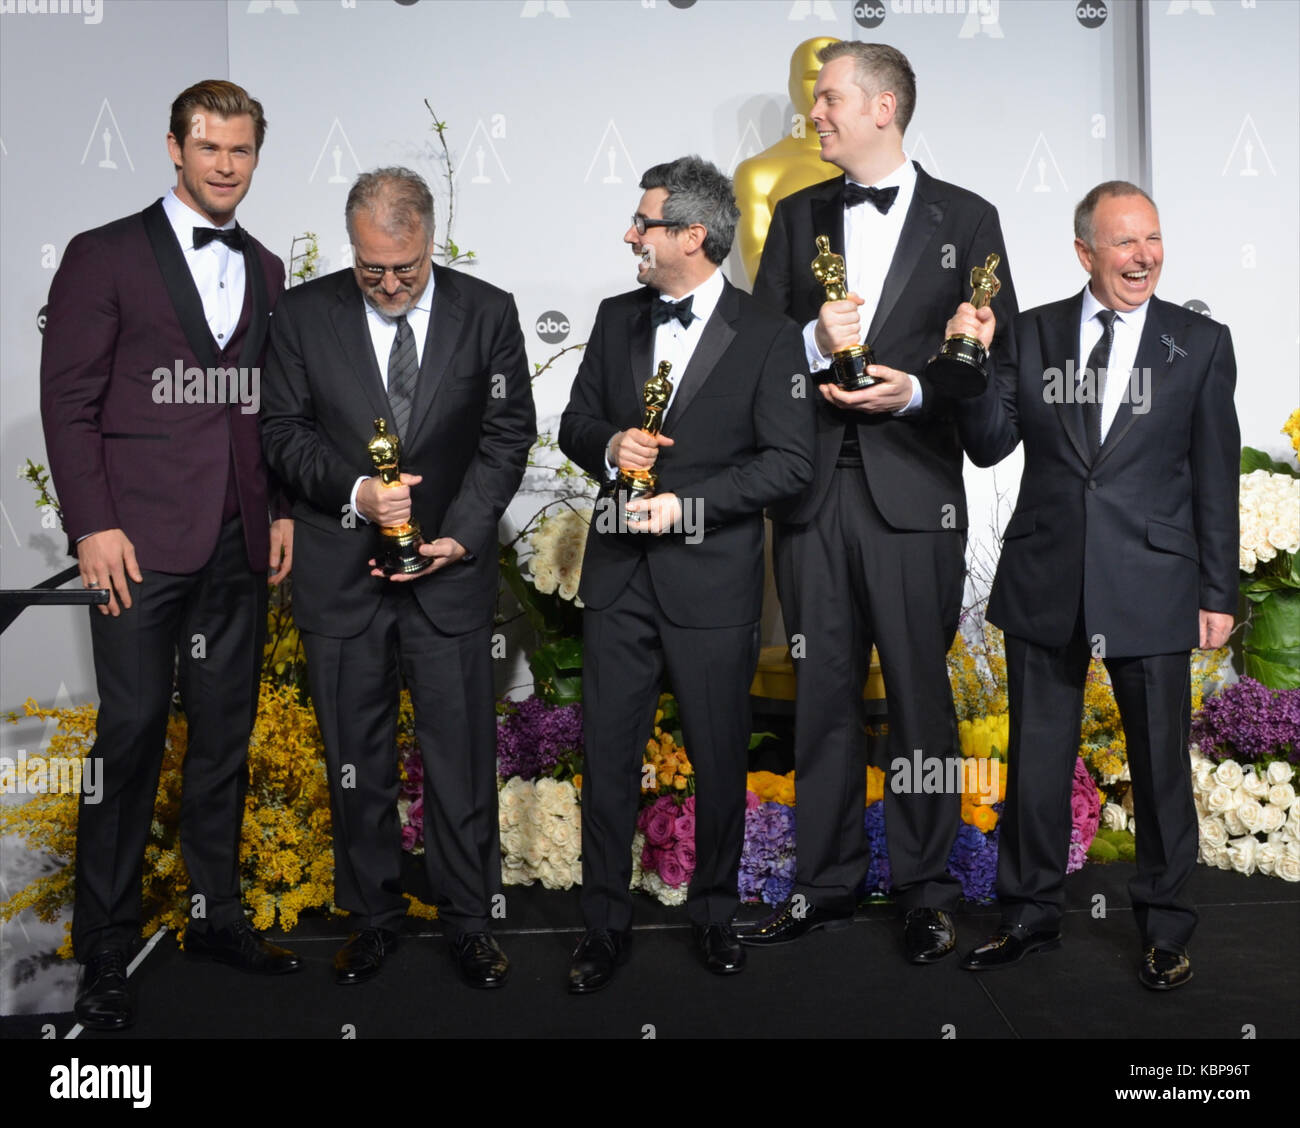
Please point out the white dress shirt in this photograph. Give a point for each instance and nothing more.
(676, 343)
(1123, 352)
(870, 240)
(218, 272)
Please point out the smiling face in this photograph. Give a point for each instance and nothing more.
(849, 124)
(1126, 253)
(214, 165)
(658, 249)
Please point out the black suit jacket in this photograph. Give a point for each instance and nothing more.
(913, 463)
(1147, 533)
(742, 440)
(469, 434)
(123, 305)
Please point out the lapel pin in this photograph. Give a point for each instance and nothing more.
(1174, 350)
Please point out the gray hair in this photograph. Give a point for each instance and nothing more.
(1084, 229)
(877, 68)
(395, 198)
(698, 193)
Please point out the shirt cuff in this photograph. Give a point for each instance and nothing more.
(610, 469)
(352, 499)
(816, 361)
(914, 404)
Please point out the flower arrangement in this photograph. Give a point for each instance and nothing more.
(537, 739)
(1249, 722)
(669, 831)
(541, 833)
(1249, 816)
(1269, 559)
(1085, 815)
(557, 546)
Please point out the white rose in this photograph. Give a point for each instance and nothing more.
(564, 835)
(1241, 851)
(1203, 776)
(1253, 784)
(1273, 819)
(1265, 858)
(1113, 817)
(1279, 772)
(1222, 858)
(1213, 833)
(1245, 559)
(1228, 774)
(1287, 867)
(534, 853)
(1281, 795)
(544, 787)
(1232, 821)
(1292, 824)
(1219, 800)
(1251, 815)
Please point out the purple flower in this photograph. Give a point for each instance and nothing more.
(684, 853)
(767, 858)
(534, 735)
(1248, 722)
(670, 869)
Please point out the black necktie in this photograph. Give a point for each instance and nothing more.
(403, 365)
(1098, 362)
(233, 237)
(882, 199)
(662, 311)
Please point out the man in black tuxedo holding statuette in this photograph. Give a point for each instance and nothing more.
(675, 579)
(873, 552)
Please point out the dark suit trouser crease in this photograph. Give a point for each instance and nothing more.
(1045, 690)
(847, 580)
(355, 689)
(627, 646)
(214, 620)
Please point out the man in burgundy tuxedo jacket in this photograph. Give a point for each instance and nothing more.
(149, 396)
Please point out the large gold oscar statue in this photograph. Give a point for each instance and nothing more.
(792, 163)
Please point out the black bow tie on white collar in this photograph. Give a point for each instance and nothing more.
(662, 311)
(882, 199)
(233, 237)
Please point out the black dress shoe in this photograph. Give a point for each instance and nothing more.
(720, 948)
(480, 959)
(594, 960)
(1009, 946)
(103, 998)
(795, 918)
(363, 954)
(928, 935)
(241, 947)
(1163, 970)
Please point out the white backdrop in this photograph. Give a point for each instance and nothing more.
(555, 107)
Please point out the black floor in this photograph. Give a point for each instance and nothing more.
(852, 983)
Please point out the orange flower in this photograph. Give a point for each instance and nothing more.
(985, 818)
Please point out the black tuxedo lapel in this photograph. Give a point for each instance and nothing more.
(640, 344)
(923, 219)
(828, 218)
(1060, 338)
(349, 318)
(446, 324)
(714, 342)
(1150, 358)
(180, 284)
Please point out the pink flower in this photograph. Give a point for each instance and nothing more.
(683, 853)
(752, 800)
(659, 827)
(685, 827)
(670, 869)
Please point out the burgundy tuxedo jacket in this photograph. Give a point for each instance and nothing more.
(126, 346)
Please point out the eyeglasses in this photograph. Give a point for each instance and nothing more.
(642, 223)
(402, 273)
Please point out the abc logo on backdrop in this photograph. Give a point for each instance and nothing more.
(552, 326)
(869, 13)
(1091, 13)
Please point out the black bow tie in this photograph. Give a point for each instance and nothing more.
(882, 199)
(662, 311)
(233, 237)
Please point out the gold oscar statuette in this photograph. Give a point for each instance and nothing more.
(960, 370)
(849, 366)
(635, 484)
(399, 545)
